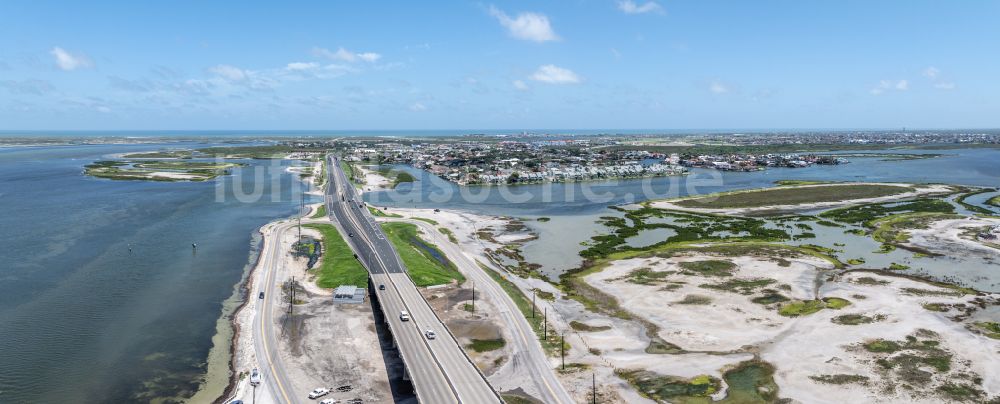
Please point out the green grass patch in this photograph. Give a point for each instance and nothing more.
(807, 307)
(646, 276)
(382, 213)
(787, 183)
(424, 219)
(991, 328)
(741, 286)
(883, 346)
(770, 298)
(898, 267)
(425, 263)
(709, 267)
(320, 212)
(338, 265)
(864, 214)
(697, 300)
(749, 382)
(486, 345)
(856, 319)
(793, 196)
(449, 233)
(840, 379)
(583, 327)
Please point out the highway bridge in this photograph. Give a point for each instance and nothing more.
(439, 369)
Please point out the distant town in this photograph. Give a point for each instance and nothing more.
(527, 158)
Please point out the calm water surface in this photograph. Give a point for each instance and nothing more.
(574, 208)
(83, 319)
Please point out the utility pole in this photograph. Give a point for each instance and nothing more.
(532, 303)
(545, 323)
(291, 295)
(562, 349)
(594, 387)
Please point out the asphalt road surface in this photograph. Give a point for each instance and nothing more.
(439, 368)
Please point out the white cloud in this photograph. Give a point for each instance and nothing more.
(718, 87)
(555, 75)
(944, 85)
(68, 61)
(886, 85)
(301, 66)
(630, 7)
(520, 85)
(417, 107)
(527, 26)
(931, 72)
(346, 55)
(228, 72)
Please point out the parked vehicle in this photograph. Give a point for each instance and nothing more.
(329, 401)
(430, 334)
(319, 392)
(404, 316)
(254, 377)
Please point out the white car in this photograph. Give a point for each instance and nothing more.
(430, 334)
(319, 392)
(254, 377)
(329, 401)
(404, 316)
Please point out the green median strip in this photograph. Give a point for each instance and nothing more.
(338, 267)
(425, 263)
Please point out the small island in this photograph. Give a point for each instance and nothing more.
(158, 170)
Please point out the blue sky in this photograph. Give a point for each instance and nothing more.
(499, 65)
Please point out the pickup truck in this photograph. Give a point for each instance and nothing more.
(404, 316)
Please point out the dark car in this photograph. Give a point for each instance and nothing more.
(381, 287)
(350, 234)
(261, 295)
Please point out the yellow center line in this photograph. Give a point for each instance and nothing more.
(264, 317)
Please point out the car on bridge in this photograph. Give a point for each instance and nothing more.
(404, 316)
(430, 334)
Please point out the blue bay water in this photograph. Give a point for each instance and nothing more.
(83, 319)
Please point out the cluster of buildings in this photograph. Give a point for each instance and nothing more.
(554, 172)
(469, 162)
(757, 162)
